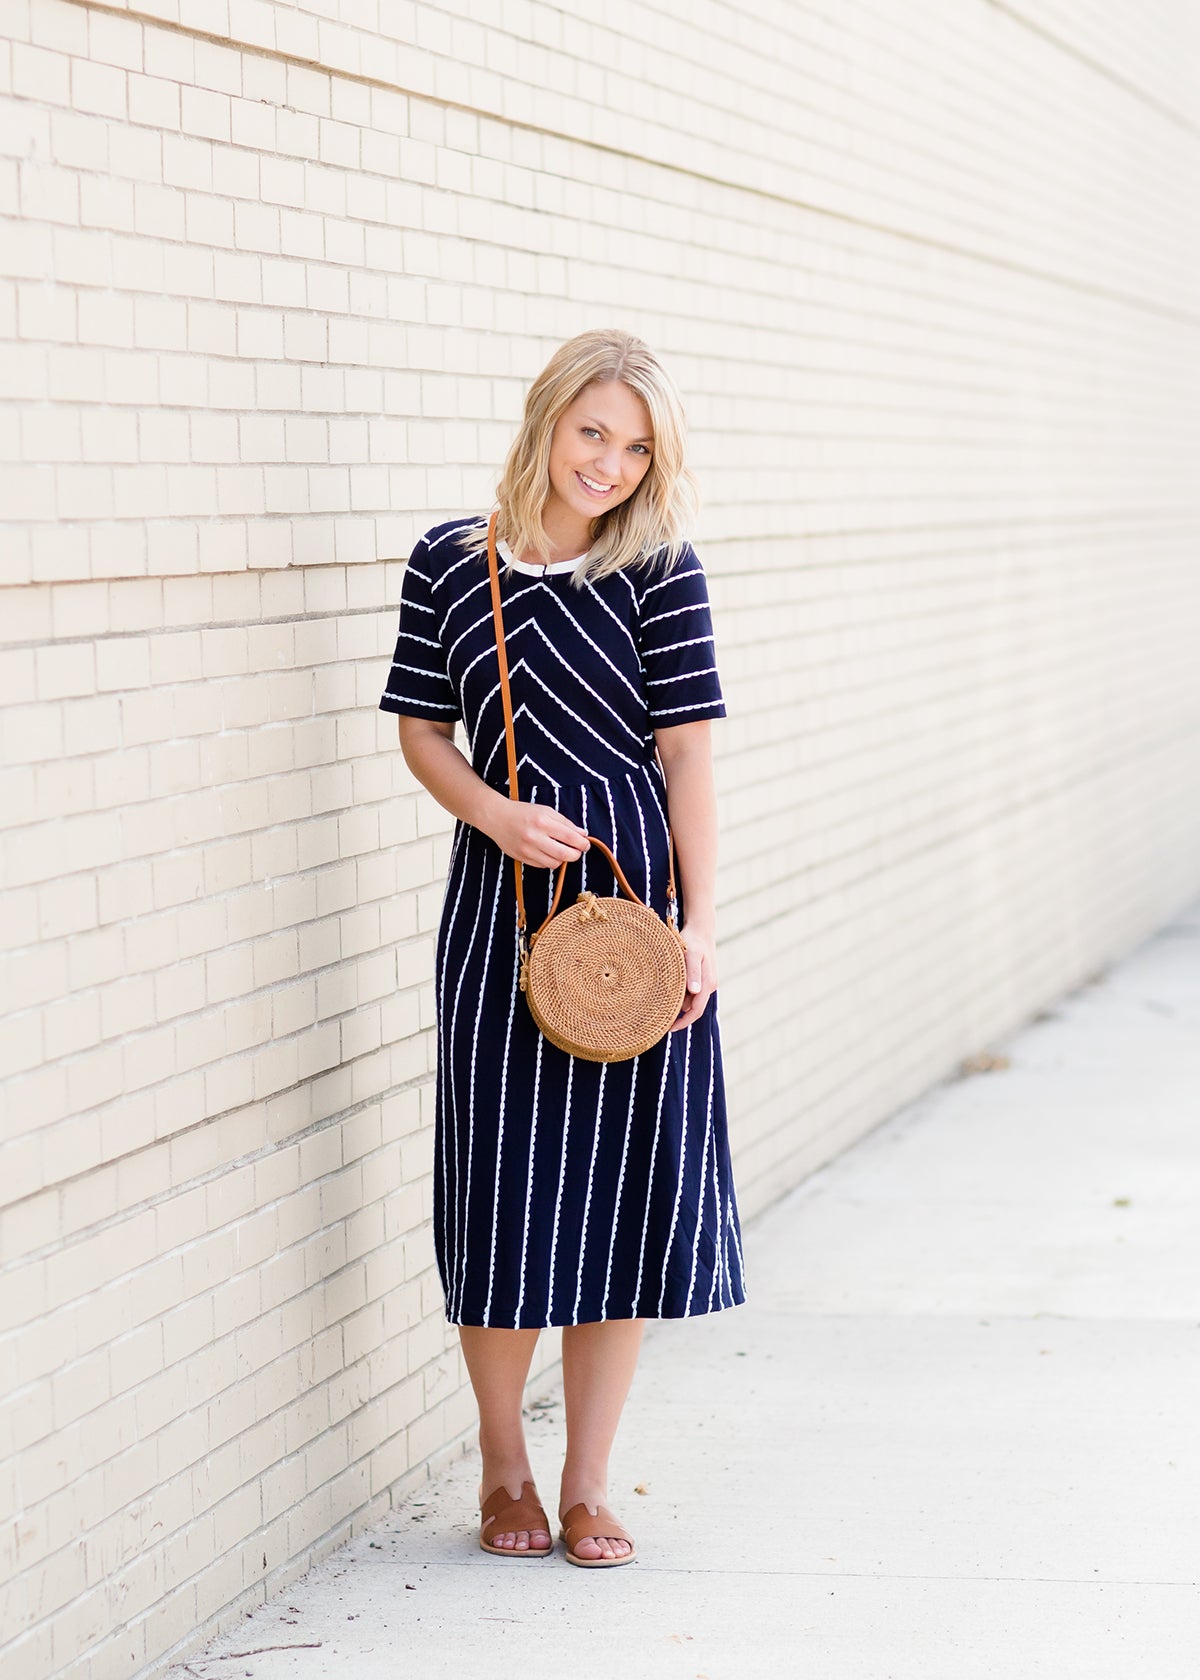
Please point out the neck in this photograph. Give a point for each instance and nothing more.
(569, 534)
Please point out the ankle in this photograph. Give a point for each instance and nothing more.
(512, 1470)
(583, 1488)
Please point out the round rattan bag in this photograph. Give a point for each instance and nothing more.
(605, 978)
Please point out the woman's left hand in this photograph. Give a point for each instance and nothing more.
(700, 959)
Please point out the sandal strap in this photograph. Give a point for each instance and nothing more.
(505, 1515)
(579, 1524)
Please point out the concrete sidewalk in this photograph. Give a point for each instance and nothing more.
(954, 1435)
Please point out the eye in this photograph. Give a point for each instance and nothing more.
(640, 446)
(590, 429)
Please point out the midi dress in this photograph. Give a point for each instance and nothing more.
(565, 1191)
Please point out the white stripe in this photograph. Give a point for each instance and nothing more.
(488, 648)
(533, 763)
(595, 693)
(466, 969)
(684, 676)
(720, 1266)
(674, 612)
(658, 789)
(582, 722)
(583, 823)
(461, 600)
(732, 1231)
(416, 606)
(458, 1182)
(612, 1241)
(661, 712)
(418, 670)
(411, 636)
(703, 1183)
(576, 625)
(484, 618)
(479, 716)
(523, 711)
(687, 1071)
(718, 1247)
(493, 694)
(463, 525)
(612, 829)
(512, 1004)
(662, 1088)
(672, 647)
(619, 622)
(487, 767)
(562, 1165)
(537, 1079)
(448, 1115)
(645, 845)
(672, 578)
(587, 1201)
(637, 1063)
(728, 1205)
(412, 700)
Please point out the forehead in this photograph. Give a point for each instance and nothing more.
(616, 407)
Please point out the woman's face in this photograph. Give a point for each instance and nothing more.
(599, 452)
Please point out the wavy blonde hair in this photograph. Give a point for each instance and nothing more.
(654, 522)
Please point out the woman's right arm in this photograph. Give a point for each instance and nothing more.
(536, 834)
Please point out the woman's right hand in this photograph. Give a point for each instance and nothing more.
(536, 835)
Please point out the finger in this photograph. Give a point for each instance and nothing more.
(547, 851)
(695, 971)
(571, 841)
(699, 1003)
(693, 1008)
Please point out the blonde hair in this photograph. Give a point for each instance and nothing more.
(655, 520)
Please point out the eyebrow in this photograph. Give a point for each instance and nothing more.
(602, 427)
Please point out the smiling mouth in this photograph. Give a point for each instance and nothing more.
(594, 487)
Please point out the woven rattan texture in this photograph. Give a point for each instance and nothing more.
(606, 978)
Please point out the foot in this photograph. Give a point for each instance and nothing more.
(604, 1548)
(503, 1506)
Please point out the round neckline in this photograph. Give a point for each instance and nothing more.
(553, 567)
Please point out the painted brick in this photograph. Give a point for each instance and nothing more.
(266, 321)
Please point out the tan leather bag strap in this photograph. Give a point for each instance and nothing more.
(510, 741)
(510, 738)
(613, 865)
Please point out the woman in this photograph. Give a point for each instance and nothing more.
(568, 1192)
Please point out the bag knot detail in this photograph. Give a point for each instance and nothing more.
(591, 909)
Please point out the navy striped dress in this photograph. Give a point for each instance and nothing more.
(565, 1191)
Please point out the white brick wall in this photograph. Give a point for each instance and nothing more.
(271, 288)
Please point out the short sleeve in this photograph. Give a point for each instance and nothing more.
(677, 649)
(418, 684)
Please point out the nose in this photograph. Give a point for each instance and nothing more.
(608, 463)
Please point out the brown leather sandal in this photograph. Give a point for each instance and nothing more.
(579, 1524)
(503, 1514)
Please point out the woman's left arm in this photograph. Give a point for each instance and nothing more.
(686, 752)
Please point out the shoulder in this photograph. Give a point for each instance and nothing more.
(657, 579)
(444, 547)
